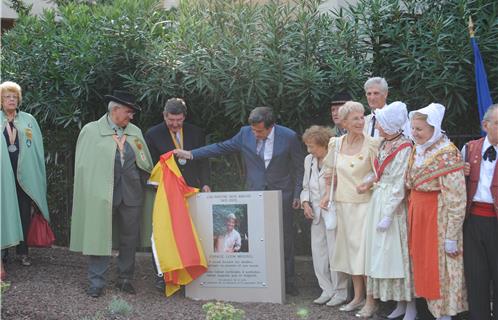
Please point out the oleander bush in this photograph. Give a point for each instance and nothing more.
(226, 57)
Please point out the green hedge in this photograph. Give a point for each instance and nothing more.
(226, 57)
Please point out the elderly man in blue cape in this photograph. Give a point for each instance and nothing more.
(111, 167)
(273, 158)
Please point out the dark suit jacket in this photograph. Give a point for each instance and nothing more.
(285, 171)
(129, 181)
(159, 141)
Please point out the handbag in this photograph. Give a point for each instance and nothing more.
(39, 233)
(330, 217)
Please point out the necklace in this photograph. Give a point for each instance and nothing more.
(12, 133)
(395, 137)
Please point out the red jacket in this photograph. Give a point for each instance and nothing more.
(474, 156)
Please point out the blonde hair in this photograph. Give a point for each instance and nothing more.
(419, 116)
(319, 135)
(348, 107)
(9, 86)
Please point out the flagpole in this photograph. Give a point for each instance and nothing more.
(471, 27)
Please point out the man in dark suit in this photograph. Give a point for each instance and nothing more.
(175, 133)
(273, 158)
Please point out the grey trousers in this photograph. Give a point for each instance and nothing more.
(128, 219)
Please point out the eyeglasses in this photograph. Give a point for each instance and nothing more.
(10, 97)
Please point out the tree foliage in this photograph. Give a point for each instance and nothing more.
(226, 57)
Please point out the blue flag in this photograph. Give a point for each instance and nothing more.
(483, 95)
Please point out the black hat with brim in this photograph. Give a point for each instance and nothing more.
(341, 98)
(124, 98)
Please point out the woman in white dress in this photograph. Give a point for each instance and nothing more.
(332, 283)
(387, 262)
(355, 161)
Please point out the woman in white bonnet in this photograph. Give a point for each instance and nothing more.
(435, 214)
(387, 262)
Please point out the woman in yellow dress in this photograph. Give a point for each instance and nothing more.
(355, 156)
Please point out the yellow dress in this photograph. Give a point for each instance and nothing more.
(349, 255)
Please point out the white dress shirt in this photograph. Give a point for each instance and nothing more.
(268, 147)
(483, 192)
(367, 129)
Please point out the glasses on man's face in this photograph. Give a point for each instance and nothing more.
(10, 97)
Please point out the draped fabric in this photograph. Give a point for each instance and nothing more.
(482, 89)
(177, 250)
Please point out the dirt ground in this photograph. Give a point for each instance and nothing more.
(54, 288)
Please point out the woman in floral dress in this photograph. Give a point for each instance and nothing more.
(436, 213)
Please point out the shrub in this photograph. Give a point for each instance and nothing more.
(222, 311)
(119, 306)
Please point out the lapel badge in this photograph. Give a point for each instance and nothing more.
(28, 143)
(29, 133)
(138, 144)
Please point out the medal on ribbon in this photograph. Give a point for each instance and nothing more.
(178, 141)
(12, 133)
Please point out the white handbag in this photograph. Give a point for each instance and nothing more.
(330, 216)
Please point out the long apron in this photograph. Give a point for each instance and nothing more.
(423, 243)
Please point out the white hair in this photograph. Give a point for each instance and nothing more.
(112, 105)
(376, 81)
(487, 114)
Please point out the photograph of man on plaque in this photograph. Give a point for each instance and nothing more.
(230, 228)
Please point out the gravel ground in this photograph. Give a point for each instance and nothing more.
(54, 288)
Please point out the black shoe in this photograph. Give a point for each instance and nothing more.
(125, 286)
(25, 260)
(94, 292)
(291, 289)
(159, 284)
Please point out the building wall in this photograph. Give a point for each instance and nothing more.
(38, 6)
(326, 6)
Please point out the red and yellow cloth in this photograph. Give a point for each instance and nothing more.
(176, 247)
